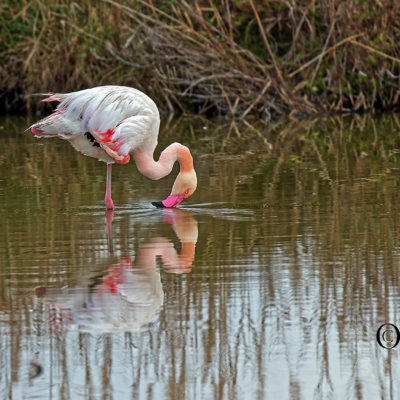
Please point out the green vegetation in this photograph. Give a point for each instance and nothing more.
(236, 57)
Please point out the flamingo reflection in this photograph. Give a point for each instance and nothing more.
(128, 295)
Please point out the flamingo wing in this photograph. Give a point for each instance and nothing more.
(119, 118)
(129, 134)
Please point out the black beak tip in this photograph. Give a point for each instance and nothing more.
(158, 204)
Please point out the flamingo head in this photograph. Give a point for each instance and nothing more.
(184, 186)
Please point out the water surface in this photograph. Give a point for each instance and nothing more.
(270, 282)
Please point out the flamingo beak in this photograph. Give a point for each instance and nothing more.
(170, 201)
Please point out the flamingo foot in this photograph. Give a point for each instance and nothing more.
(170, 201)
(109, 203)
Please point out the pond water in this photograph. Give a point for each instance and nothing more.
(270, 282)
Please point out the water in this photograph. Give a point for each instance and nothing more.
(270, 282)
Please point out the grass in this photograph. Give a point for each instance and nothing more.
(238, 57)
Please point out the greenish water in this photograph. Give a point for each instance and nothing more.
(270, 282)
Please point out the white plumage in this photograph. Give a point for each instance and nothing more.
(132, 115)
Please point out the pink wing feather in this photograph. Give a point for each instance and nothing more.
(131, 133)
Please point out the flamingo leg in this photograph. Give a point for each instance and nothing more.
(108, 200)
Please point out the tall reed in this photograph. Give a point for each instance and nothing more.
(236, 57)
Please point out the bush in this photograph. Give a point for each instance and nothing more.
(235, 57)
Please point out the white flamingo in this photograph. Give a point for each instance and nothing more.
(110, 123)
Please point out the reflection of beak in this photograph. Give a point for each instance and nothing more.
(182, 223)
(176, 215)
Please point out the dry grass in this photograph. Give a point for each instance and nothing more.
(227, 57)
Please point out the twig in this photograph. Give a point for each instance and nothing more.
(308, 63)
(265, 40)
(321, 55)
(371, 49)
(250, 107)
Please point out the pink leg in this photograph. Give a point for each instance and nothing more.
(108, 199)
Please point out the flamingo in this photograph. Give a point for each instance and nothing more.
(111, 123)
(128, 295)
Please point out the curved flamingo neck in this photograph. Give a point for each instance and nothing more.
(163, 167)
(184, 157)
